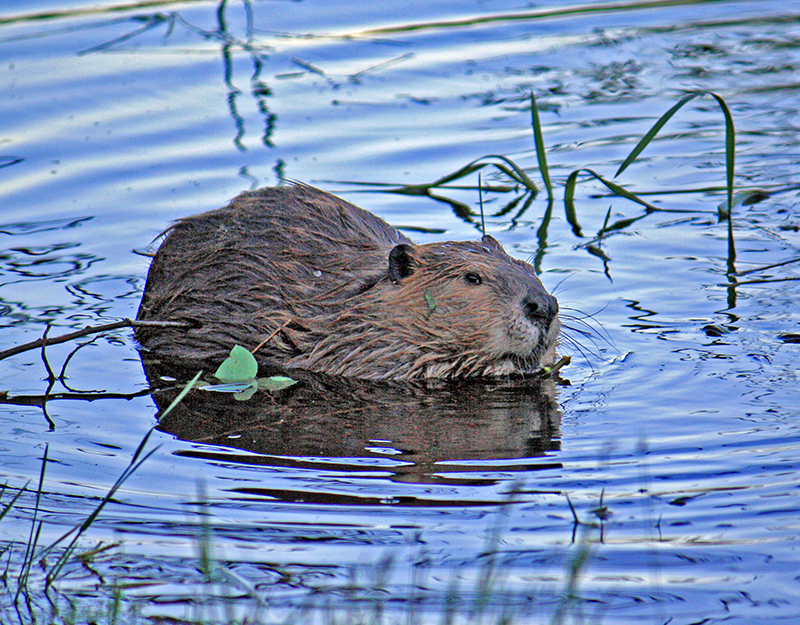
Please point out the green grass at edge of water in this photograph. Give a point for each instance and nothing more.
(38, 599)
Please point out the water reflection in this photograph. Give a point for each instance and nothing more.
(406, 430)
(58, 260)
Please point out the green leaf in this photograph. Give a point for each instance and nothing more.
(240, 366)
(246, 393)
(275, 383)
(430, 301)
(244, 390)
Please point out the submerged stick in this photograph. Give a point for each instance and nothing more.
(123, 323)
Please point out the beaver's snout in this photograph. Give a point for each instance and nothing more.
(540, 308)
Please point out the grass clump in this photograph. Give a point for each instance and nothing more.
(387, 592)
(40, 568)
(518, 177)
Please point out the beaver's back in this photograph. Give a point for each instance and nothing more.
(294, 251)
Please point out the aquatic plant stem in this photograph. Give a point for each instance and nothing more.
(138, 458)
(33, 539)
(480, 201)
(538, 140)
(730, 156)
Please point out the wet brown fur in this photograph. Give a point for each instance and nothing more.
(329, 287)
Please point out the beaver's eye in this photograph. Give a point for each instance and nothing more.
(473, 278)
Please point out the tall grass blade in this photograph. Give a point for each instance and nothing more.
(620, 224)
(518, 173)
(506, 165)
(622, 191)
(181, 395)
(569, 203)
(7, 508)
(606, 220)
(33, 538)
(466, 170)
(78, 530)
(136, 461)
(538, 140)
(730, 148)
(650, 134)
(480, 200)
(569, 196)
(730, 155)
(730, 137)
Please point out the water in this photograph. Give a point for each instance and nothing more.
(677, 440)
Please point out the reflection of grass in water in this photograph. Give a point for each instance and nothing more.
(224, 596)
(518, 182)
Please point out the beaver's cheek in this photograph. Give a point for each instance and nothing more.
(551, 340)
(554, 331)
(516, 336)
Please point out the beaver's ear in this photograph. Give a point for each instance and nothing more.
(491, 242)
(400, 262)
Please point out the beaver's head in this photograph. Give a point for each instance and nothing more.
(471, 309)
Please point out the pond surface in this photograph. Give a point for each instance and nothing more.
(660, 484)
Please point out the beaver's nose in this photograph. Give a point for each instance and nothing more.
(540, 307)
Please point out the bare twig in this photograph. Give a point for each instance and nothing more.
(765, 267)
(51, 377)
(123, 323)
(277, 331)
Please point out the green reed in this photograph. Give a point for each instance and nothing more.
(518, 177)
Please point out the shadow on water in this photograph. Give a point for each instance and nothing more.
(413, 433)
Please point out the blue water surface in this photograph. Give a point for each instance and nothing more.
(674, 464)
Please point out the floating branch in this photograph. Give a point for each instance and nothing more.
(123, 323)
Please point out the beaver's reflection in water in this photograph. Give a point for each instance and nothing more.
(415, 432)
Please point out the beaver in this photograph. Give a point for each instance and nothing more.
(309, 281)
